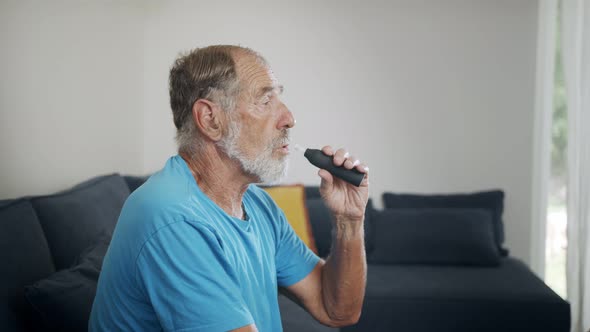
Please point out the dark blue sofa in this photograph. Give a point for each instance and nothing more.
(52, 248)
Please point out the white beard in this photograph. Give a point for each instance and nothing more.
(267, 169)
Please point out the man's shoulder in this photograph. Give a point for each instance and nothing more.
(160, 191)
(164, 189)
(164, 198)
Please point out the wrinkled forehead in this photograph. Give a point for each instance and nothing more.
(254, 74)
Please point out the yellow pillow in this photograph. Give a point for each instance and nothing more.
(291, 199)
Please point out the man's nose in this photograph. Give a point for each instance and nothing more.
(287, 120)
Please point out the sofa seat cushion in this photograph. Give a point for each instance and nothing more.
(453, 298)
(25, 254)
(75, 219)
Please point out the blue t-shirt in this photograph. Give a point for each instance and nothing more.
(178, 262)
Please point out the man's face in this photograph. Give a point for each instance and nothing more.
(258, 134)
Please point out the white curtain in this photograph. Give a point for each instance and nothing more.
(576, 62)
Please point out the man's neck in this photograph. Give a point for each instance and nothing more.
(220, 178)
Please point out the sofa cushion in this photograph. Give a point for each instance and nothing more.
(76, 218)
(25, 253)
(312, 192)
(5, 202)
(492, 200)
(63, 300)
(9, 320)
(320, 218)
(134, 182)
(291, 199)
(321, 224)
(422, 298)
(434, 236)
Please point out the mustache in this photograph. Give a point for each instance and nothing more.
(283, 139)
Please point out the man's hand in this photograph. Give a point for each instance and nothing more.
(347, 202)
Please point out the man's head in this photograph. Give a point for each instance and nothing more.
(228, 96)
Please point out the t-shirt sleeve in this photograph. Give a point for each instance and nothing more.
(189, 281)
(294, 260)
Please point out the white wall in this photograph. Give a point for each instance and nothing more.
(70, 93)
(436, 96)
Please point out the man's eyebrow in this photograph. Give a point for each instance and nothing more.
(268, 89)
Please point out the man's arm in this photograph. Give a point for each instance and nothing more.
(333, 292)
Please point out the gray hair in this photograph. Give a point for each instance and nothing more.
(203, 73)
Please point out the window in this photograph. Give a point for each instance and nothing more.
(556, 240)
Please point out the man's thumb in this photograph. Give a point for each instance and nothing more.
(327, 179)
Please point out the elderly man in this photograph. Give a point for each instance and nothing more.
(197, 247)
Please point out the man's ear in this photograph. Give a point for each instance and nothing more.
(208, 119)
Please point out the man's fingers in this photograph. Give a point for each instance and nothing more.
(351, 162)
(340, 157)
(363, 168)
(328, 150)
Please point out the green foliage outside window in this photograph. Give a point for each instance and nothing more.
(559, 129)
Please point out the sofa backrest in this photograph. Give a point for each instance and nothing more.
(491, 200)
(75, 219)
(42, 234)
(25, 258)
